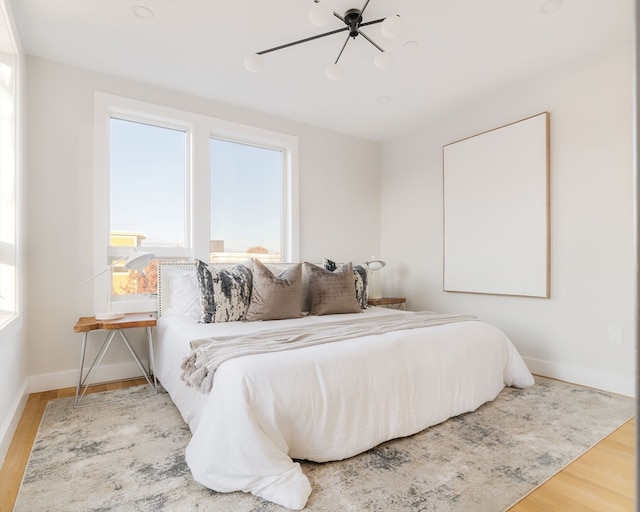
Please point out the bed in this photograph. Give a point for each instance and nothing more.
(322, 401)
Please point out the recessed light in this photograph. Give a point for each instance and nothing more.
(411, 44)
(142, 12)
(550, 6)
(383, 99)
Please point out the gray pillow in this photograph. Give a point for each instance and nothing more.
(224, 293)
(360, 277)
(275, 298)
(331, 292)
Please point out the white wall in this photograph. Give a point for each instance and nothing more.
(592, 250)
(339, 180)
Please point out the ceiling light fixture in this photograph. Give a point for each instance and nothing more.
(550, 6)
(142, 12)
(320, 14)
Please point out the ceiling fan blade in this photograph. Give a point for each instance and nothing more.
(343, 47)
(372, 22)
(364, 7)
(370, 40)
(340, 18)
(306, 39)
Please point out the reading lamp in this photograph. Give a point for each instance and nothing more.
(374, 265)
(137, 260)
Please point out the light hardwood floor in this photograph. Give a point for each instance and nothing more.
(601, 480)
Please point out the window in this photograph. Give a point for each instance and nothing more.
(9, 205)
(147, 169)
(147, 182)
(185, 186)
(248, 221)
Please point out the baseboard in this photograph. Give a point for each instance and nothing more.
(67, 379)
(583, 376)
(10, 423)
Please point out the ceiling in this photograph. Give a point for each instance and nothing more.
(449, 52)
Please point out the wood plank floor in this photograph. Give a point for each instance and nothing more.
(601, 480)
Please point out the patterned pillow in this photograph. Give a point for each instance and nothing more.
(275, 298)
(329, 265)
(360, 281)
(224, 293)
(331, 292)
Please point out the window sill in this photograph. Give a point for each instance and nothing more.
(147, 304)
(6, 317)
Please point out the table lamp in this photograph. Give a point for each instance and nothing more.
(374, 265)
(137, 260)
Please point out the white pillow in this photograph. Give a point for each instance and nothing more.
(184, 293)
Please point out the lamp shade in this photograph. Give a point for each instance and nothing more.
(320, 13)
(375, 264)
(384, 60)
(254, 62)
(334, 72)
(391, 27)
(138, 260)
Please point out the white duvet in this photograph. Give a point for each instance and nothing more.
(326, 402)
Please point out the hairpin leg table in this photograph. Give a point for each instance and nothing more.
(88, 324)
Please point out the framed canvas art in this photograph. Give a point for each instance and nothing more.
(496, 211)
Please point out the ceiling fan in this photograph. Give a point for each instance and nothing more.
(320, 14)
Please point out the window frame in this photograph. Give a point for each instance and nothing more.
(11, 254)
(200, 129)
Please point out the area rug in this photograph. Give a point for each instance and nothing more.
(129, 455)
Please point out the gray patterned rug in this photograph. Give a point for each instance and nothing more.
(128, 455)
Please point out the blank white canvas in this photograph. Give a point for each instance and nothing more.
(496, 211)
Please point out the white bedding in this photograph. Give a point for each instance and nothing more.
(326, 402)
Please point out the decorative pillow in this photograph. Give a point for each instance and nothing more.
(224, 293)
(329, 265)
(275, 298)
(184, 293)
(331, 292)
(360, 280)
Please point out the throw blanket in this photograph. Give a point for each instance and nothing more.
(208, 354)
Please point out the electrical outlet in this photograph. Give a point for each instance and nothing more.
(615, 335)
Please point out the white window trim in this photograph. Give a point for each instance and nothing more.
(14, 255)
(201, 129)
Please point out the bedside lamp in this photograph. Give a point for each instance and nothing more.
(374, 265)
(137, 260)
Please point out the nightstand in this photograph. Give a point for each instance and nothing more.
(87, 324)
(388, 302)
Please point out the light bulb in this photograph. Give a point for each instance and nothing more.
(320, 14)
(254, 62)
(391, 26)
(334, 72)
(384, 60)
